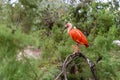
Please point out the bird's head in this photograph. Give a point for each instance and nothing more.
(68, 25)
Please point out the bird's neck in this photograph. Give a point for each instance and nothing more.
(70, 27)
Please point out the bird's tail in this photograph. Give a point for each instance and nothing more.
(86, 45)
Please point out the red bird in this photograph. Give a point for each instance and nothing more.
(76, 35)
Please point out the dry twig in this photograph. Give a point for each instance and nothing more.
(73, 56)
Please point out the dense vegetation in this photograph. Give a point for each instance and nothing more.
(40, 23)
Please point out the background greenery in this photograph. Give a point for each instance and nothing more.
(41, 23)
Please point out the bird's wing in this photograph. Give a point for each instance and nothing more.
(78, 36)
(83, 37)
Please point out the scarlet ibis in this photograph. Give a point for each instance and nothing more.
(76, 35)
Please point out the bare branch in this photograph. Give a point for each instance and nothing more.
(73, 56)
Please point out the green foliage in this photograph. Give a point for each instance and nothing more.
(43, 21)
(12, 69)
(9, 46)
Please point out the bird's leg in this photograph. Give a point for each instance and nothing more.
(75, 48)
(77, 45)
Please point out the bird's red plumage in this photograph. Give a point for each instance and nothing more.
(78, 36)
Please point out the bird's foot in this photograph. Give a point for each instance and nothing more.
(75, 48)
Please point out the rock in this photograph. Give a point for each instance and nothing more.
(117, 42)
(29, 52)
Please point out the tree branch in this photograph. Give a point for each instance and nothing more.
(73, 56)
